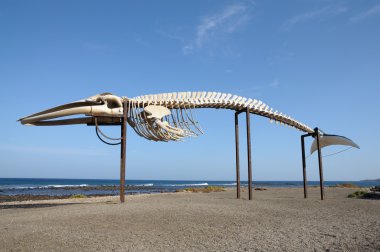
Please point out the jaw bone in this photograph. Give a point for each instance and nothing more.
(104, 105)
(153, 122)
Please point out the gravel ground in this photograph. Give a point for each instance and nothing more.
(275, 220)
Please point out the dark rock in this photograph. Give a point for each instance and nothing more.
(260, 189)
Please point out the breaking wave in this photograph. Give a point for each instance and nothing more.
(198, 184)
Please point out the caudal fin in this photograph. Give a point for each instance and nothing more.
(327, 140)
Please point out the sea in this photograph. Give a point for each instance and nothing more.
(66, 187)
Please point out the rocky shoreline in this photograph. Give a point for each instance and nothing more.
(88, 188)
(23, 194)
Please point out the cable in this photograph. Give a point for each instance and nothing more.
(338, 152)
(97, 130)
(332, 154)
(110, 138)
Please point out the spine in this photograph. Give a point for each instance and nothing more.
(203, 99)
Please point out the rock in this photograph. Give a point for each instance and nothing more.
(260, 189)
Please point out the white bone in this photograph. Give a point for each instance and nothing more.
(156, 107)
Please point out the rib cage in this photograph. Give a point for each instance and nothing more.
(181, 105)
(181, 118)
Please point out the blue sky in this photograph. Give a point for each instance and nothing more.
(318, 61)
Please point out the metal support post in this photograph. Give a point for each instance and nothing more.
(237, 155)
(320, 164)
(249, 154)
(304, 166)
(123, 153)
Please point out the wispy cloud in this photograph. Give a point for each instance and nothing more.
(93, 46)
(319, 15)
(259, 90)
(46, 150)
(172, 35)
(225, 21)
(280, 58)
(274, 84)
(139, 40)
(365, 14)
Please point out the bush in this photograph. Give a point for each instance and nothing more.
(375, 189)
(347, 186)
(357, 194)
(78, 196)
(206, 189)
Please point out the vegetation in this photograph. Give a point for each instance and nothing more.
(373, 193)
(78, 196)
(260, 189)
(357, 194)
(206, 189)
(375, 189)
(346, 186)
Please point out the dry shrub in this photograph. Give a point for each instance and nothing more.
(347, 186)
(78, 196)
(206, 189)
(357, 194)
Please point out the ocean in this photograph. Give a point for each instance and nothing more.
(66, 187)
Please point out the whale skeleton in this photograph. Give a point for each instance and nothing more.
(170, 117)
(167, 116)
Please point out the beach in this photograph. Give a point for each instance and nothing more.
(277, 219)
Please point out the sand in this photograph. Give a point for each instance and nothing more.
(275, 220)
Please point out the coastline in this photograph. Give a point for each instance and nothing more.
(23, 189)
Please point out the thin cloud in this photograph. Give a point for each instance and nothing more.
(319, 14)
(260, 90)
(142, 42)
(274, 84)
(172, 35)
(280, 58)
(226, 21)
(93, 46)
(374, 10)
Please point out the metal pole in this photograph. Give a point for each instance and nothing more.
(249, 154)
(320, 164)
(122, 153)
(304, 166)
(237, 155)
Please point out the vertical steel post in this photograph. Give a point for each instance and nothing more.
(237, 155)
(123, 152)
(304, 166)
(320, 164)
(249, 154)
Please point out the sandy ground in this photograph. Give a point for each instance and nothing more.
(276, 220)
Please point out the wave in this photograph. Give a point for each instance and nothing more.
(150, 184)
(42, 187)
(231, 184)
(59, 186)
(198, 184)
